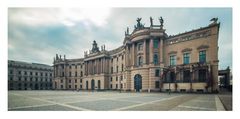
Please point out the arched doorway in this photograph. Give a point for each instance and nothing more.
(99, 85)
(86, 85)
(92, 84)
(36, 87)
(137, 82)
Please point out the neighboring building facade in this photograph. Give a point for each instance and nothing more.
(29, 76)
(148, 60)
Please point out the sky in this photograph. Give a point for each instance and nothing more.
(38, 34)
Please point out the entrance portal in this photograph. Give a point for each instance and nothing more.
(92, 84)
(137, 82)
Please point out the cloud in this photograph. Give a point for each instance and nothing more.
(37, 34)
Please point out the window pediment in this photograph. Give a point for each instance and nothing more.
(203, 47)
(172, 52)
(187, 50)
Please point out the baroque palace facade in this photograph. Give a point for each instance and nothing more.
(149, 60)
(29, 76)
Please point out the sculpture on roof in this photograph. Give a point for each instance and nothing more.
(161, 22)
(139, 24)
(151, 21)
(94, 47)
(214, 20)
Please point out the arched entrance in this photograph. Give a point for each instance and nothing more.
(137, 82)
(36, 87)
(86, 85)
(92, 84)
(99, 85)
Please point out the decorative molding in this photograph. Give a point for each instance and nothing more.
(172, 52)
(187, 50)
(203, 47)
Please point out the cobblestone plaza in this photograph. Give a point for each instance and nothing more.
(110, 101)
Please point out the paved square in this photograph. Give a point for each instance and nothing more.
(110, 101)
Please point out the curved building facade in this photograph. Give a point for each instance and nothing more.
(148, 60)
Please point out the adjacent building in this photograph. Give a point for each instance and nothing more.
(29, 76)
(148, 60)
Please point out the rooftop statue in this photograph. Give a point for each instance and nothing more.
(214, 20)
(161, 22)
(151, 21)
(139, 24)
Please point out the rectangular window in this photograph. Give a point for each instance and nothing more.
(11, 71)
(69, 86)
(11, 78)
(202, 56)
(61, 86)
(70, 67)
(61, 81)
(186, 58)
(140, 46)
(25, 73)
(36, 73)
(116, 78)
(31, 73)
(63, 74)
(80, 86)
(122, 67)
(69, 81)
(75, 86)
(111, 69)
(172, 60)
(75, 80)
(121, 86)
(111, 86)
(111, 79)
(19, 72)
(80, 80)
(70, 74)
(155, 43)
(36, 79)
(19, 78)
(41, 74)
(46, 74)
(116, 86)
(75, 66)
(117, 68)
(75, 74)
(157, 71)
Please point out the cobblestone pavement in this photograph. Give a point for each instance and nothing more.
(226, 99)
(110, 101)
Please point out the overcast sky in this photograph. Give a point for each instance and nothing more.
(38, 34)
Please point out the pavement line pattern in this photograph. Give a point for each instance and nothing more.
(131, 106)
(22, 107)
(191, 107)
(219, 105)
(55, 103)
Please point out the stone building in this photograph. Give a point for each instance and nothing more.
(148, 60)
(29, 76)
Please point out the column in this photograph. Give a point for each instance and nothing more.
(133, 54)
(144, 53)
(161, 50)
(151, 51)
(104, 65)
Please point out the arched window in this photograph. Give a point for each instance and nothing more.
(155, 59)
